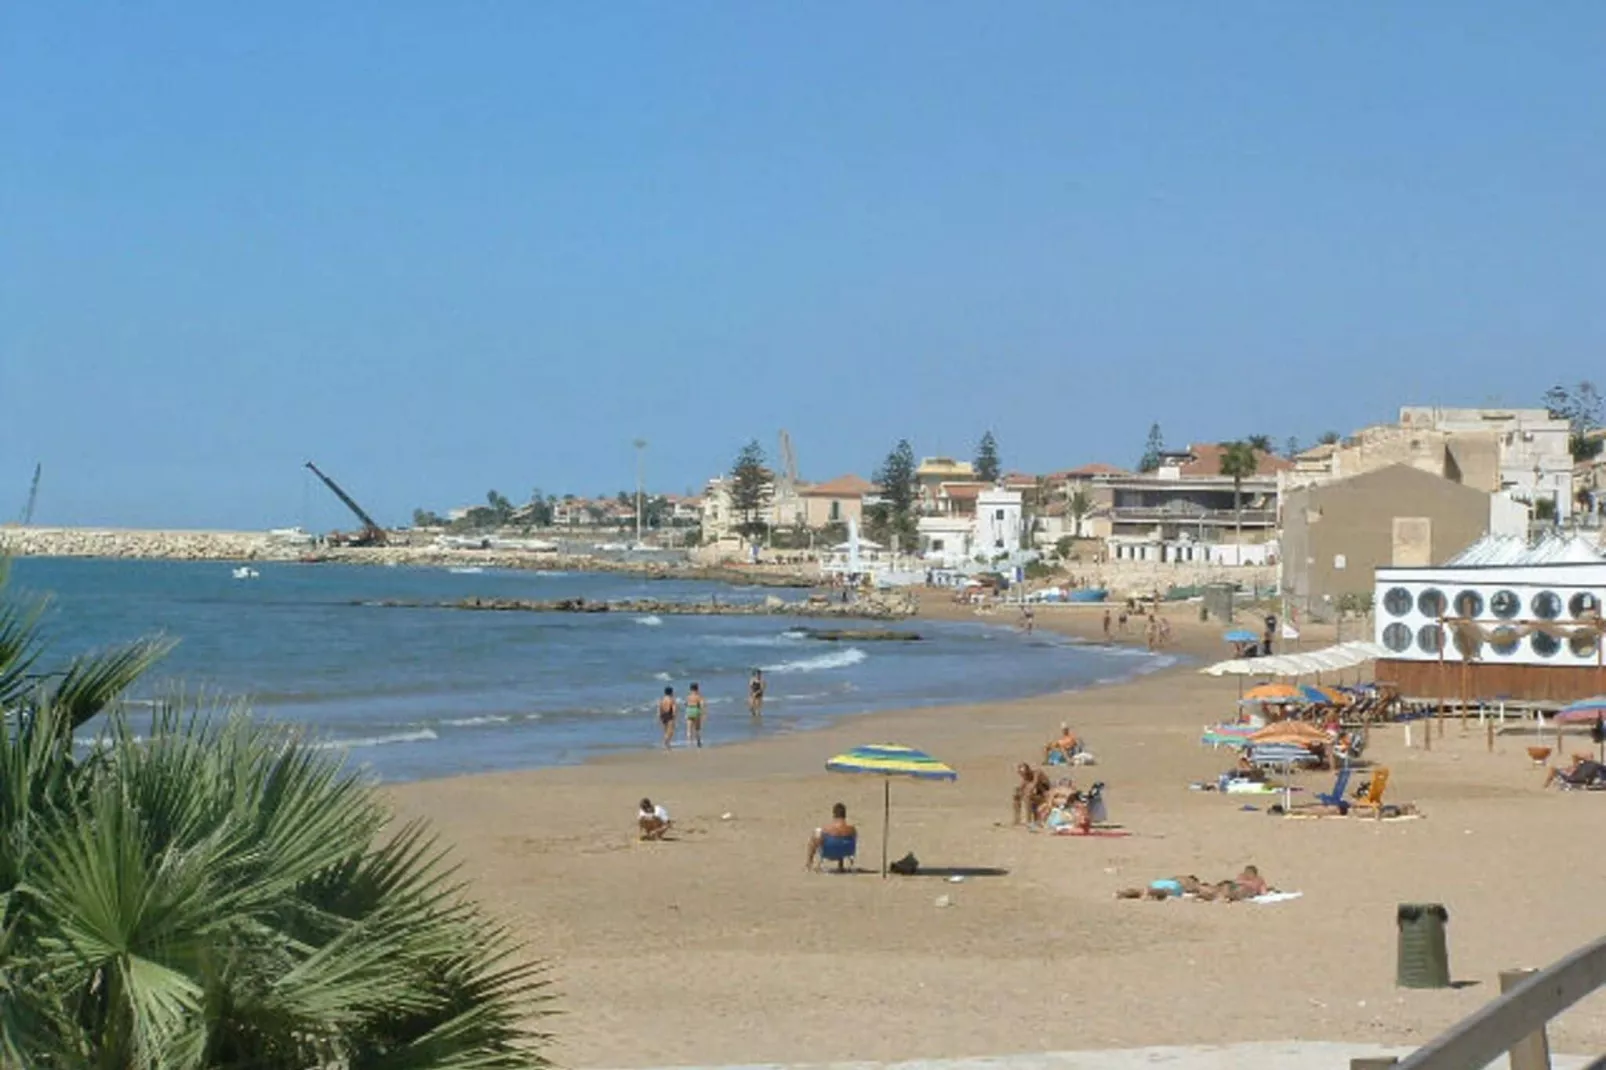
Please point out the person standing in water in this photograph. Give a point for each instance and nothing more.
(694, 716)
(755, 694)
(666, 717)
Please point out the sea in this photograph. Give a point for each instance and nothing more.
(414, 693)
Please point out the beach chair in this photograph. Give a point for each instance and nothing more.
(1340, 786)
(843, 850)
(1374, 794)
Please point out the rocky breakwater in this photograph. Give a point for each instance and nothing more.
(129, 543)
(875, 607)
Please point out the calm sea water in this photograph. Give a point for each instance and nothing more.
(416, 693)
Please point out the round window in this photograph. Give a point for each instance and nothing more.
(1505, 641)
(1468, 604)
(1547, 605)
(1397, 601)
(1431, 602)
(1545, 645)
(1583, 604)
(1584, 644)
(1397, 637)
(1505, 604)
(1430, 639)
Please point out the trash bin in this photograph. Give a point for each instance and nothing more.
(1423, 960)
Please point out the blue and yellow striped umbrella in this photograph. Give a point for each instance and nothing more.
(888, 760)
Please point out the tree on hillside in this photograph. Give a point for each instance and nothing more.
(987, 467)
(1077, 507)
(750, 490)
(424, 518)
(1580, 406)
(895, 514)
(1239, 462)
(1330, 438)
(1152, 449)
(1291, 448)
(539, 511)
(218, 892)
(1260, 442)
(501, 509)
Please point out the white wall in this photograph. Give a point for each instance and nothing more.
(998, 522)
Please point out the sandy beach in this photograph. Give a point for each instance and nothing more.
(718, 947)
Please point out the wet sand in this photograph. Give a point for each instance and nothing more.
(718, 947)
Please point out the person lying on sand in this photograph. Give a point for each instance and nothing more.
(1066, 746)
(1248, 770)
(839, 826)
(1247, 885)
(1581, 773)
(653, 821)
(1031, 793)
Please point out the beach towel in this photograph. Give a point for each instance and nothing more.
(1275, 897)
(1072, 830)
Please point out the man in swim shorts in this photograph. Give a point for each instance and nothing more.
(666, 716)
(839, 828)
(755, 694)
(694, 716)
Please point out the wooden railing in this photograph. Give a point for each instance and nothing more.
(1515, 1023)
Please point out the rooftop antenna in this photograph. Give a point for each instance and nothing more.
(33, 496)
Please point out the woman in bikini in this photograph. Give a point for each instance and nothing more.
(666, 716)
(694, 716)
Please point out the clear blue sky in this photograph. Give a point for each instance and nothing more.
(443, 247)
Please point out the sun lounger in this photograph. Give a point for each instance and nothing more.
(843, 850)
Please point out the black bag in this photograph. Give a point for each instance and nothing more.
(907, 866)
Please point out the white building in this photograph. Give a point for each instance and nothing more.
(991, 532)
(1535, 458)
(998, 522)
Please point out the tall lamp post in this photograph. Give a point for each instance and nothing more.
(641, 449)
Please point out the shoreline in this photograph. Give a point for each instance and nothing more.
(1031, 951)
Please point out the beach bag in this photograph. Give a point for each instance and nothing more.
(907, 866)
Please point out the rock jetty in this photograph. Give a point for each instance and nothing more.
(895, 607)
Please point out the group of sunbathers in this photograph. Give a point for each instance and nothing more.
(1247, 885)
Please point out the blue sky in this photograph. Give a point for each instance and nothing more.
(444, 247)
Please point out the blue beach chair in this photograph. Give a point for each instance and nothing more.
(1340, 786)
(843, 850)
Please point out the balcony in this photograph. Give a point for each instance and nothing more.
(1183, 514)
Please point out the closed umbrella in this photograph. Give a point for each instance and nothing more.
(888, 760)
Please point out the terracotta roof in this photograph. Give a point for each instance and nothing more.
(962, 491)
(1097, 468)
(848, 486)
(1019, 479)
(1207, 461)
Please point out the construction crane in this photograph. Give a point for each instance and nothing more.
(371, 534)
(33, 496)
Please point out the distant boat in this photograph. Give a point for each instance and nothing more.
(1088, 594)
(246, 572)
(467, 570)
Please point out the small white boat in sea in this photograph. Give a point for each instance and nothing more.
(246, 572)
(467, 570)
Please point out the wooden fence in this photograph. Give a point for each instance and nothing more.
(1514, 1023)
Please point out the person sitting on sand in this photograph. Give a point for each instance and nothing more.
(1248, 770)
(653, 821)
(839, 826)
(1066, 747)
(1030, 793)
(1582, 773)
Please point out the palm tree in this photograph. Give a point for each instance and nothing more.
(1239, 461)
(1260, 443)
(1078, 505)
(215, 892)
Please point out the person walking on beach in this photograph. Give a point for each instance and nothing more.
(1106, 625)
(694, 716)
(666, 717)
(755, 695)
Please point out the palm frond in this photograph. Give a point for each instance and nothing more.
(93, 681)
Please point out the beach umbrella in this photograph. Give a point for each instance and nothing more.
(1299, 733)
(1241, 635)
(1315, 695)
(1272, 693)
(888, 760)
(1584, 711)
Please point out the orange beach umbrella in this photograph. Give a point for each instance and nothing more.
(1272, 693)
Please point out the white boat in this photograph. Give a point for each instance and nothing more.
(246, 572)
(467, 570)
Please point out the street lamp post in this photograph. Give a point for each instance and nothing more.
(641, 449)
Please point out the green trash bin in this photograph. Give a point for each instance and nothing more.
(1423, 960)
